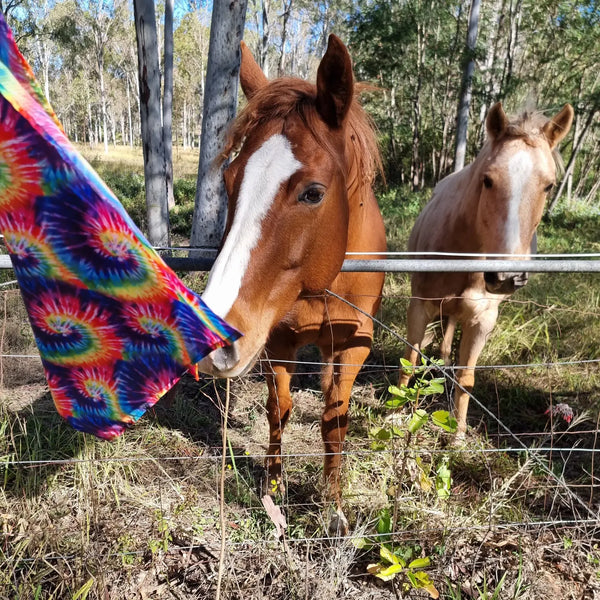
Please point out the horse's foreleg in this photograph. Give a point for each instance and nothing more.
(415, 333)
(474, 336)
(337, 381)
(279, 408)
(446, 347)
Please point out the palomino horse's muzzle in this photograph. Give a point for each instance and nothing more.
(507, 283)
(504, 283)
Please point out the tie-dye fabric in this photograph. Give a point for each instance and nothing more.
(114, 325)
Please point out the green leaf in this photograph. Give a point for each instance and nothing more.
(396, 391)
(413, 580)
(433, 387)
(443, 419)
(389, 572)
(383, 433)
(387, 555)
(418, 419)
(362, 543)
(396, 402)
(443, 480)
(384, 524)
(420, 563)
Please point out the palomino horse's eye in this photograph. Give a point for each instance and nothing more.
(487, 181)
(548, 188)
(312, 195)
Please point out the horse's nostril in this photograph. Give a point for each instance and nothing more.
(225, 359)
(490, 278)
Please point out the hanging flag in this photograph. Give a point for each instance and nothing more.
(114, 325)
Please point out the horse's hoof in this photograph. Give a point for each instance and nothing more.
(338, 524)
(459, 439)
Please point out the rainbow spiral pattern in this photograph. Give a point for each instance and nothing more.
(114, 325)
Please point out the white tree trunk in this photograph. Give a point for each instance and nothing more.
(220, 100)
(168, 102)
(150, 113)
(462, 119)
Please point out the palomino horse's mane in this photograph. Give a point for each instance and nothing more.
(529, 127)
(288, 96)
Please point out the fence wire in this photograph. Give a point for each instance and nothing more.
(543, 459)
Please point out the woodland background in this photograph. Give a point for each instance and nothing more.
(527, 53)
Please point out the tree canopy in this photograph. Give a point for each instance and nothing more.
(528, 54)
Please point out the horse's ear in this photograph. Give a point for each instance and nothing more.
(335, 83)
(559, 125)
(251, 76)
(496, 121)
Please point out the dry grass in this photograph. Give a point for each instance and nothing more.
(124, 158)
(139, 517)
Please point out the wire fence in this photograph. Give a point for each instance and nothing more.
(511, 479)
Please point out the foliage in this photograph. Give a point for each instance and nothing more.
(397, 560)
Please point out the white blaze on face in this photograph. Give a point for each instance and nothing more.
(520, 168)
(271, 165)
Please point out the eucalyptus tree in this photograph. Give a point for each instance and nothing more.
(152, 131)
(220, 102)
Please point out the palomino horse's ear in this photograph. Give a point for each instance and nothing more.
(335, 83)
(558, 126)
(496, 121)
(251, 76)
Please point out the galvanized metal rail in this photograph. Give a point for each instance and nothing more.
(412, 265)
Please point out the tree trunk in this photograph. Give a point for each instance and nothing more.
(168, 102)
(150, 113)
(129, 115)
(100, 58)
(462, 119)
(266, 34)
(220, 100)
(287, 11)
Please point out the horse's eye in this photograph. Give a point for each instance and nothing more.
(548, 188)
(312, 195)
(487, 181)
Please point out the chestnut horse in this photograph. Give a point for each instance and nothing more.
(300, 197)
(492, 206)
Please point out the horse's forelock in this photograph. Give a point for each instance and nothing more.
(529, 127)
(288, 96)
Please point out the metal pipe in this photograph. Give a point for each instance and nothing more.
(411, 265)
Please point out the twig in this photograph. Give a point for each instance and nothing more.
(592, 469)
(222, 494)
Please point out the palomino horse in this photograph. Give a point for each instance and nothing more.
(492, 206)
(300, 197)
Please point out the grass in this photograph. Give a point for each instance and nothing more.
(139, 517)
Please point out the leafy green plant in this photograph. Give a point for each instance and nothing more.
(402, 560)
(164, 535)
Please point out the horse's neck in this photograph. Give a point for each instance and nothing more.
(364, 220)
(461, 197)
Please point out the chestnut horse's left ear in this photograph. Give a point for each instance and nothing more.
(558, 126)
(335, 83)
(252, 77)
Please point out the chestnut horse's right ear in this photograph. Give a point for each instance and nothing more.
(251, 76)
(335, 83)
(496, 121)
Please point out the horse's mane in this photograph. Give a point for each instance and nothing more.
(288, 96)
(529, 127)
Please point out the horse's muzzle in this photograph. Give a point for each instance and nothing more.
(222, 362)
(226, 362)
(504, 283)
